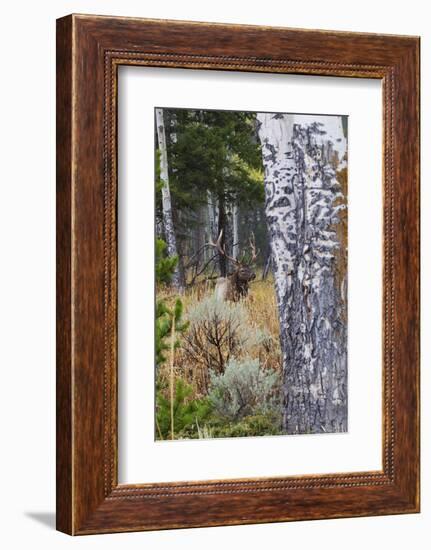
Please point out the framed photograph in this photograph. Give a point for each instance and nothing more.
(237, 274)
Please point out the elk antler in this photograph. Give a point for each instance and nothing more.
(220, 249)
(254, 252)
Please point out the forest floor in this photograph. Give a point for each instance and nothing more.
(242, 338)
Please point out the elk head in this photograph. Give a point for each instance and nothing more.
(235, 286)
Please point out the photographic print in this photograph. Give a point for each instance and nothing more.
(251, 273)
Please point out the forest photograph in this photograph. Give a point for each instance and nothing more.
(250, 273)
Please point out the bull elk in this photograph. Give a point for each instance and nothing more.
(233, 287)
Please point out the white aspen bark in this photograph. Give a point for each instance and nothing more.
(166, 196)
(302, 198)
(159, 227)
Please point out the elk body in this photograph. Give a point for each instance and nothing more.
(235, 286)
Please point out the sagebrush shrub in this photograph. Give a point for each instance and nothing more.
(244, 389)
(217, 332)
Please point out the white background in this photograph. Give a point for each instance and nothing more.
(360, 449)
(27, 122)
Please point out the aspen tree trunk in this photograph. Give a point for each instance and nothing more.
(166, 196)
(159, 227)
(301, 156)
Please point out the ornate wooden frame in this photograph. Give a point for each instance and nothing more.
(89, 51)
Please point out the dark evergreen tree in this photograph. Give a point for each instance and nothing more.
(214, 166)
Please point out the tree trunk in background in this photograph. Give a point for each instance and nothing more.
(166, 196)
(235, 231)
(210, 226)
(266, 266)
(170, 119)
(201, 233)
(222, 226)
(159, 227)
(228, 236)
(301, 156)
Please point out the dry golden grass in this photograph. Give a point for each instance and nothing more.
(262, 314)
(262, 309)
